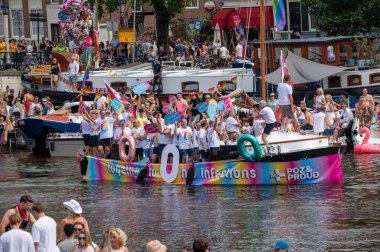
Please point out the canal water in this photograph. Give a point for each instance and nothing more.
(234, 218)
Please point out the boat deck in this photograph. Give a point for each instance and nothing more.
(278, 137)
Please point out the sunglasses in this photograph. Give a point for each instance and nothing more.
(78, 229)
(81, 238)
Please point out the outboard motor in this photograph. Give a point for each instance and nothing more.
(351, 133)
(22, 141)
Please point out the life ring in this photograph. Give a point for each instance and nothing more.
(256, 155)
(132, 149)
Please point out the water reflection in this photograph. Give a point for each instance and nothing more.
(234, 218)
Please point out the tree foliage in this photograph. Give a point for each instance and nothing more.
(104, 7)
(345, 17)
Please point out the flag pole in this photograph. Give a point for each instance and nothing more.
(262, 46)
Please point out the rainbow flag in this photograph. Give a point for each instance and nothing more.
(223, 85)
(86, 90)
(200, 95)
(188, 99)
(212, 90)
(163, 101)
(97, 95)
(8, 127)
(86, 75)
(279, 12)
(109, 99)
(234, 79)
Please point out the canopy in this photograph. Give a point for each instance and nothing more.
(303, 71)
(248, 15)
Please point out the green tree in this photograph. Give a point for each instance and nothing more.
(104, 6)
(345, 17)
(165, 10)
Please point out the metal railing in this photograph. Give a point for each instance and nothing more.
(23, 60)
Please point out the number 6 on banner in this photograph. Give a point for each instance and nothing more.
(169, 177)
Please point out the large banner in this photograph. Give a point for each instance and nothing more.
(321, 170)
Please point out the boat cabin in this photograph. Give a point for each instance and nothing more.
(335, 51)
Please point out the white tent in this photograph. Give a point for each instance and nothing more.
(303, 71)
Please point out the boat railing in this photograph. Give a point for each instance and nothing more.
(51, 136)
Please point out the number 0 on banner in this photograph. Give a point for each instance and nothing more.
(169, 177)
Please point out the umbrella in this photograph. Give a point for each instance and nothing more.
(217, 33)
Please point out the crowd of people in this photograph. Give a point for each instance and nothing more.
(203, 54)
(72, 234)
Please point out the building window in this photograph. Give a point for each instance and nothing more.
(192, 4)
(354, 80)
(190, 86)
(35, 24)
(334, 82)
(18, 23)
(54, 1)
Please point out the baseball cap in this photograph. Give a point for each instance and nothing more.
(281, 244)
(262, 102)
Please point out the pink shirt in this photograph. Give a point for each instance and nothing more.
(88, 42)
(181, 105)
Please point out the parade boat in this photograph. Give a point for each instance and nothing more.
(37, 128)
(64, 144)
(289, 167)
(174, 80)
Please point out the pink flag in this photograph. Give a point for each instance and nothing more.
(285, 70)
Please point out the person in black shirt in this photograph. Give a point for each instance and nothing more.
(163, 56)
(157, 71)
(193, 104)
(220, 91)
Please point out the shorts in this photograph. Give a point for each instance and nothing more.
(328, 132)
(160, 149)
(287, 111)
(148, 152)
(105, 141)
(196, 153)
(94, 141)
(86, 139)
(156, 150)
(140, 153)
(186, 152)
(268, 128)
(203, 154)
(73, 78)
(307, 127)
(300, 121)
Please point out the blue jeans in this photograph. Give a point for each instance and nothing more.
(148, 152)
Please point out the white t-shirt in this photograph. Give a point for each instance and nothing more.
(201, 135)
(195, 136)
(106, 127)
(166, 139)
(231, 124)
(44, 232)
(123, 116)
(213, 139)
(239, 51)
(100, 101)
(268, 115)
(347, 116)
(138, 133)
(231, 142)
(319, 122)
(94, 129)
(146, 142)
(184, 137)
(119, 133)
(73, 68)
(86, 127)
(319, 101)
(283, 90)
(16, 240)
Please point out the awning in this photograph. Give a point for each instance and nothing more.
(249, 16)
(303, 71)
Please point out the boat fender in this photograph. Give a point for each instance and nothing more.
(243, 150)
(141, 176)
(83, 166)
(132, 149)
(22, 142)
(51, 143)
(190, 175)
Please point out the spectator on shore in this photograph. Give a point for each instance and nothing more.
(16, 240)
(74, 214)
(67, 244)
(44, 231)
(155, 246)
(118, 239)
(83, 243)
(281, 246)
(201, 245)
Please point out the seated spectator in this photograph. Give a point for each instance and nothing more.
(204, 61)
